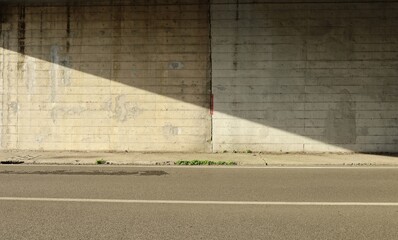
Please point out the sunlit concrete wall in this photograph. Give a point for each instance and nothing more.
(109, 75)
(294, 76)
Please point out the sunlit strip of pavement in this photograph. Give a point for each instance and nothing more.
(85, 200)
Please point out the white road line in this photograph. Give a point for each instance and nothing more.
(84, 200)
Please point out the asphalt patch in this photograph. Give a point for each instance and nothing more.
(87, 173)
(12, 162)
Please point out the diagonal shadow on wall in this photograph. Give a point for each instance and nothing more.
(284, 78)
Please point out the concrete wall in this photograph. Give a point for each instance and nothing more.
(305, 76)
(106, 76)
(286, 75)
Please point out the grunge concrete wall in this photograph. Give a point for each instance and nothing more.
(108, 75)
(296, 76)
(286, 75)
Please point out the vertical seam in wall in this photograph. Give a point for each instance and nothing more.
(210, 75)
(306, 74)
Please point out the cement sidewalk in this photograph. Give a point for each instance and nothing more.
(245, 159)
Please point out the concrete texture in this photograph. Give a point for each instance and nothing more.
(79, 220)
(106, 77)
(305, 77)
(286, 76)
(42, 221)
(243, 159)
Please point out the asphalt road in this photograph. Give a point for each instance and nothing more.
(105, 202)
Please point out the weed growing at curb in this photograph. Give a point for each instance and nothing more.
(205, 162)
(101, 161)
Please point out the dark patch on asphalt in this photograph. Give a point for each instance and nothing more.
(85, 173)
(12, 162)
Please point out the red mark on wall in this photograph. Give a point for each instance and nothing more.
(211, 104)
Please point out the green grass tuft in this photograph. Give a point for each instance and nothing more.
(101, 161)
(205, 162)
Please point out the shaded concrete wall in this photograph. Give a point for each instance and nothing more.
(305, 76)
(110, 75)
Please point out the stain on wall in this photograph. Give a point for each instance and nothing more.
(125, 109)
(341, 120)
(68, 27)
(21, 29)
(236, 44)
(169, 130)
(62, 113)
(30, 76)
(54, 56)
